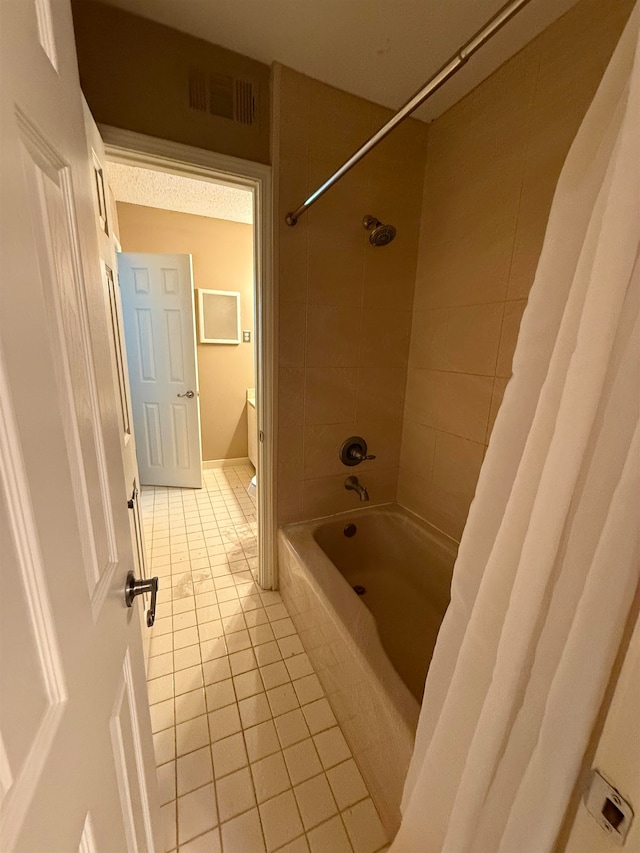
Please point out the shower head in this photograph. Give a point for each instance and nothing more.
(380, 234)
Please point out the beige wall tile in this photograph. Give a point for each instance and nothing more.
(385, 338)
(321, 449)
(428, 339)
(336, 276)
(383, 441)
(456, 466)
(330, 395)
(290, 397)
(290, 457)
(509, 337)
(380, 393)
(421, 399)
(389, 274)
(463, 405)
(290, 503)
(473, 335)
(493, 161)
(293, 334)
(327, 495)
(418, 448)
(333, 336)
(414, 492)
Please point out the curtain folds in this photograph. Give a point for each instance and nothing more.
(548, 562)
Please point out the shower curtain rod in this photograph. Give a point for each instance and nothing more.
(448, 70)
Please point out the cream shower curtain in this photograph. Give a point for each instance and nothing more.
(548, 564)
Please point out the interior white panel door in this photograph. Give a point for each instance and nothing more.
(76, 755)
(159, 322)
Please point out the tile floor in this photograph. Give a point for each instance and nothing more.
(249, 755)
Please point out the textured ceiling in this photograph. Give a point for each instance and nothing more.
(383, 50)
(135, 185)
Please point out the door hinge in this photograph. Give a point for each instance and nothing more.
(260, 436)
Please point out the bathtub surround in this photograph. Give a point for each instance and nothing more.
(222, 260)
(547, 571)
(492, 165)
(370, 651)
(344, 305)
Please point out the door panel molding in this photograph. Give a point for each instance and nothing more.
(136, 149)
(19, 783)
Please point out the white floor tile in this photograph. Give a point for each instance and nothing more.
(243, 834)
(332, 747)
(188, 679)
(224, 646)
(229, 754)
(160, 689)
(254, 710)
(308, 689)
(364, 828)
(261, 740)
(164, 745)
(220, 694)
(329, 837)
(194, 770)
(291, 728)
(282, 699)
(207, 843)
(162, 716)
(167, 782)
(224, 722)
(280, 820)
(270, 777)
(190, 705)
(267, 653)
(197, 813)
(216, 670)
(319, 716)
(169, 827)
(347, 784)
(315, 801)
(235, 794)
(302, 761)
(192, 735)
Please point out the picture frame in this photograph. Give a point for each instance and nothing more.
(218, 316)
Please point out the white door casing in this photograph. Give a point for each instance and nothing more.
(159, 321)
(76, 757)
(137, 149)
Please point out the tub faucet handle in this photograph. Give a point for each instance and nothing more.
(354, 451)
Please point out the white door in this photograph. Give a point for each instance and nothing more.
(76, 756)
(159, 322)
(106, 223)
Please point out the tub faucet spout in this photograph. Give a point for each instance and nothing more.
(352, 484)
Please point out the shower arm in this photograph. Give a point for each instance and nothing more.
(450, 67)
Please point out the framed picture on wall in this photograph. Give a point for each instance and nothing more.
(218, 316)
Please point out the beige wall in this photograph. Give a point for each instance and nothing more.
(344, 306)
(223, 260)
(493, 161)
(135, 75)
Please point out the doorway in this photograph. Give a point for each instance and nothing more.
(174, 162)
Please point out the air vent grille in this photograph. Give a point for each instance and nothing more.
(222, 95)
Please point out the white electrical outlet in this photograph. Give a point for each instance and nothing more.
(246, 336)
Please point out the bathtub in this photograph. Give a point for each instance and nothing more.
(371, 651)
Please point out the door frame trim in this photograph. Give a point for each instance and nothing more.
(137, 149)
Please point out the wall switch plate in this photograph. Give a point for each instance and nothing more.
(246, 336)
(611, 811)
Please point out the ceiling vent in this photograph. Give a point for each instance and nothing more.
(222, 95)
